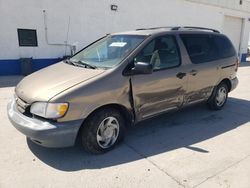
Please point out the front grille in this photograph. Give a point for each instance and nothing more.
(22, 106)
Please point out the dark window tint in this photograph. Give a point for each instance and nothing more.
(162, 52)
(225, 47)
(27, 37)
(200, 47)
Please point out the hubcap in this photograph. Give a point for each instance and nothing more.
(221, 96)
(107, 132)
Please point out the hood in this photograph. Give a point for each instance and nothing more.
(46, 83)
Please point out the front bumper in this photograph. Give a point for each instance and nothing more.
(45, 133)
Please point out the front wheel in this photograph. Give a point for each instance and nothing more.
(102, 131)
(219, 97)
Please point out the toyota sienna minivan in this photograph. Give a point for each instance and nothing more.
(122, 79)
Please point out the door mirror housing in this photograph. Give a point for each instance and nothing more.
(142, 68)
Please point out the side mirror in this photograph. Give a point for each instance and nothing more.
(142, 68)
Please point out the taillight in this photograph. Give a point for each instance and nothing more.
(237, 64)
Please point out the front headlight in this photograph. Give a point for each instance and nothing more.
(49, 110)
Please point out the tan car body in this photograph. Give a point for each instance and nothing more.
(138, 97)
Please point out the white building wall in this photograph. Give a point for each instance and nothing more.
(91, 19)
(229, 4)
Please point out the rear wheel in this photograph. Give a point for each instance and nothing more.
(219, 97)
(102, 131)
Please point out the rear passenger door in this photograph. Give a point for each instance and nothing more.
(203, 69)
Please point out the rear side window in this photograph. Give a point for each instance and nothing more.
(225, 47)
(203, 48)
(200, 47)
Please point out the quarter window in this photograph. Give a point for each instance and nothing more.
(226, 49)
(162, 52)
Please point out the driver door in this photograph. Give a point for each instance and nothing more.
(164, 89)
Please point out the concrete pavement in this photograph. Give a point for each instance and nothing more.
(195, 147)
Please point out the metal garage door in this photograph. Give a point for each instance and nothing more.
(233, 29)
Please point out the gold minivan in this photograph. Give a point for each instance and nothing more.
(121, 79)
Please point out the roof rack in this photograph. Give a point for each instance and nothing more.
(152, 28)
(179, 28)
(199, 28)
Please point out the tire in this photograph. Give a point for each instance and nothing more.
(219, 97)
(99, 127)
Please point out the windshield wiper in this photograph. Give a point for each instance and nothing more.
(68, 62)
(73, 63)
(80, 64)
(87, 65)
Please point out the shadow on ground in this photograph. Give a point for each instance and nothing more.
(155, 136)
(9, 81)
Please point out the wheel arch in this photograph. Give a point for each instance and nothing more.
(228, 83)
(125, 112)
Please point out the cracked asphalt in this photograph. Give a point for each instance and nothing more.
(194, 147)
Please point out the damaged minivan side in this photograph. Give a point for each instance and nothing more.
(120, 80)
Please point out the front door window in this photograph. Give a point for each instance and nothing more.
(162, 52)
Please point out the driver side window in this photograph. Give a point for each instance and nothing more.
(161, 52)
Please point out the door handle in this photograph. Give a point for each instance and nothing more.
(193, 72)
(181, 75)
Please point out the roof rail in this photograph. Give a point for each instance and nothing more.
(179, 28)
(190, 27)
(152, 28)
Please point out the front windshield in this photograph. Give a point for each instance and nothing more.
(109, 51)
